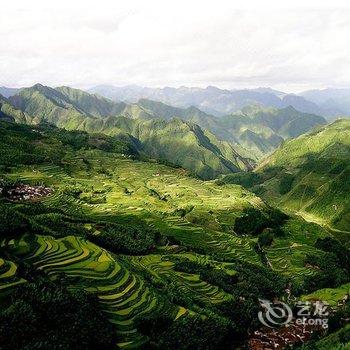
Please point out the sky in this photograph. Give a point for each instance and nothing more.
(285, 45)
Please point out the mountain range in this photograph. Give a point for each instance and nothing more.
(308, 175)
(298, 150)
(257, 129)
(337, 99)
(330, 103)
(217, 101)
(108, 240)
(9, 113)
(313, 172)
(205, 144)
(175, 141)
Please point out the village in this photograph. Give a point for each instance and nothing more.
(281, 338)
(293, 333)
(23, 192)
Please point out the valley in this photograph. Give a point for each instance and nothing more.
(169, 223)
(174, 175)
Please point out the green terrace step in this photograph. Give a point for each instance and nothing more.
(123, 294)
(187, 283)
(288, 259)
(8, 277)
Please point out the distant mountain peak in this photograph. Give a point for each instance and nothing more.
(40, 87)
(212, 100)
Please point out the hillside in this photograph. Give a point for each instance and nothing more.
(262, 130)
(92, 105)
(149, 244)
(174, 175)
(330, 103)
(10, 113)
(310, 175)
(175, 141)
(258, 130)
(253, 132)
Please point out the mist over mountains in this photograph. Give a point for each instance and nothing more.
(220, 101)
(330, 103)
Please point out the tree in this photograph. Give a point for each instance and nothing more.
(45, 315)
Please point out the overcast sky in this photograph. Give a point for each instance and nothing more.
(230, 44)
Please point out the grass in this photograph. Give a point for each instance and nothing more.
(161, 266)
(287, 254)
(331, 295)
(318, 164)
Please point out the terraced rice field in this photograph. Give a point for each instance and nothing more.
(123, 294)
(288, 259)
(332, 296)
(200, 215)
(287, 254)
(161, 266)
(322, 199)
(8, 276)
(155, 193)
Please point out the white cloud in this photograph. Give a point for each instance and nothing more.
(231, 44)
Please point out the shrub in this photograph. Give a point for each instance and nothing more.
(265, 238)
(44, 315)
(195, 332)
(330, 274)
(253, 221)
(209, 274)
(242, 313)
(11, 222)
(332, 245)
(286, 183)
(127, 238)
(245, 179)
(59, 224)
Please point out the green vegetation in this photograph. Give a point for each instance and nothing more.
(332, 264)
(117, 250)
(331, 295)
(23, 145)
(127, 239)
(261, 130)
(122, 294)
(209, 274)
(9, 113)
(206, 145)
(187, 332)
(174, 140)
(308, 175)
(47, 315)
(329, 272)
(253, 221)
(336, 341)
(256, 130)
